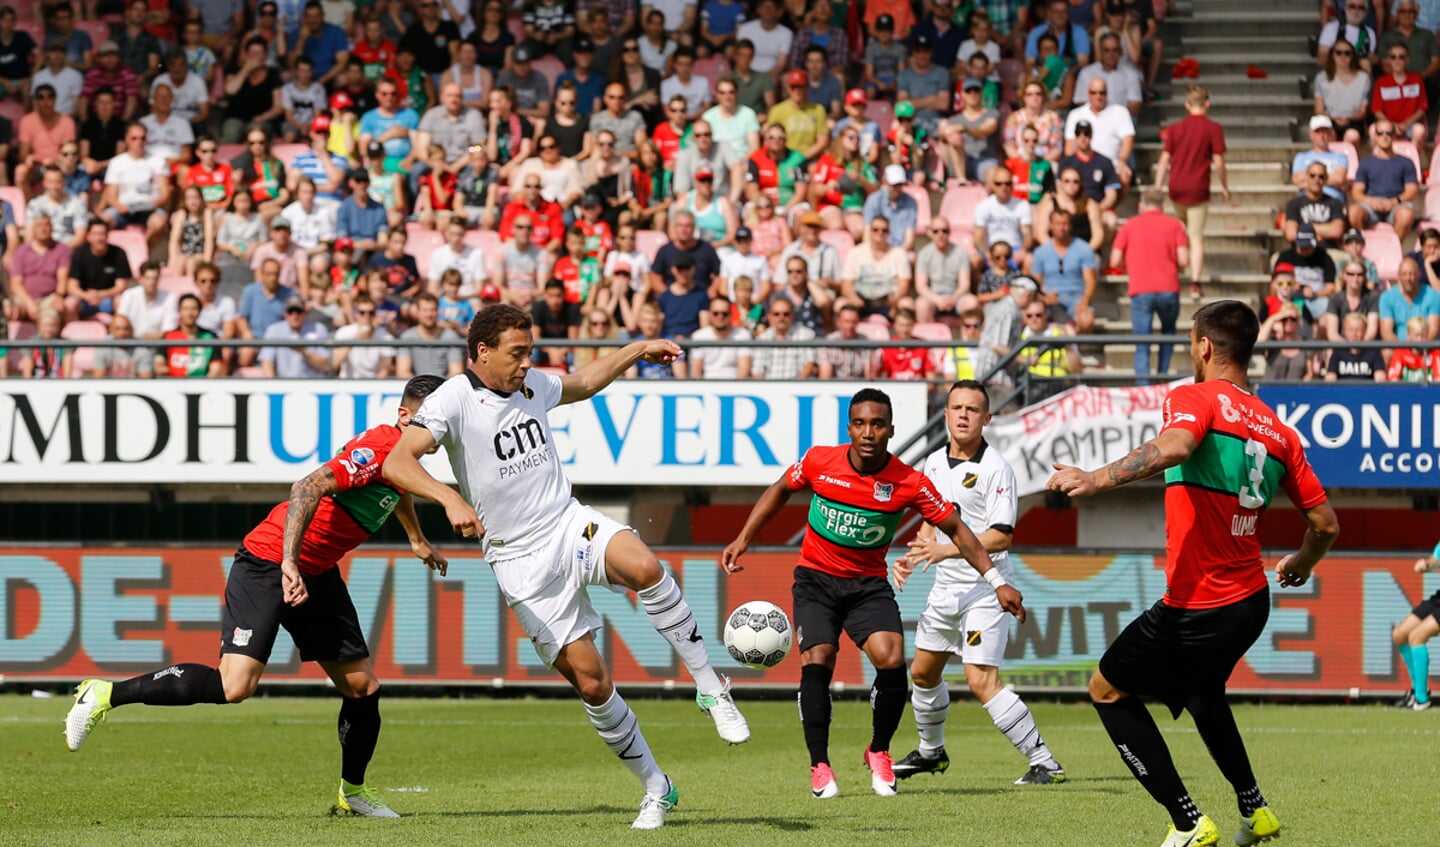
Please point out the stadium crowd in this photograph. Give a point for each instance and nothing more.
(292, 171)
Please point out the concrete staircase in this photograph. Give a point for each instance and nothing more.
(1265, 125)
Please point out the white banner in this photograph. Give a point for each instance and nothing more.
(643, 432)
(1086, 426)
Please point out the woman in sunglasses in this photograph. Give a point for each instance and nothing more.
(1342, 92)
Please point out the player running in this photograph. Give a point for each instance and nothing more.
(1411, 635)
(962, 616)
(285, 574)
(1225, 454)
(545, 547)
(860, 494)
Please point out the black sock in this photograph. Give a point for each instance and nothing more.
(177, 685)
(1216, 725)
(815, 711)
(1135, 735)
(888, 696)
(359, 728)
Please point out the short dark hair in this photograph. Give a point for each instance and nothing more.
(426, 297)
(555, 283)
(491, 323)
(188, 296)
(872, 395)
(1232, 327)
(745, 44)
(420, 387)
(816, 48)
(149, 266)
(306, 60)
(970, 385)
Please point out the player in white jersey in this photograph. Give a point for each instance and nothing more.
(545, 547)
(962, 616)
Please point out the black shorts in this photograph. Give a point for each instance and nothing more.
(1428, 608)
(825, 604)
(325, 627)
(1171, 653)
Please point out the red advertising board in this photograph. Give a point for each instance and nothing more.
(72, 613)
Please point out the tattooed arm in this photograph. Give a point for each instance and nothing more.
(1165, 450)
(305, 497)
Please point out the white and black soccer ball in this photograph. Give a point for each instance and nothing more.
(758, 634)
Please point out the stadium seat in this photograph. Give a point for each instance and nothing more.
(177, 283)
(649, 242)
(933, 331)
(36, 29)
(1352, 158)
(229, 152)
(839, 239)
(84, 357)
(420, 244)
(99, 31)
(16, 198)
(1407, 149)
(136, 248)
(251, 372)
(19, 330)
(286, 153)
(882, 113)
(922, 206)
(549, 67)
(516, 25)
(714, 69)
(873, 330)
(958, 207)
(488, 240)
(1383, 248)
(12, 112)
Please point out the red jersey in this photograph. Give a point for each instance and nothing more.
(1399, 100)
(1214, 499)
(448, 181)
(343, 520)
(828, 170)
(1193, 143)
(904, 363)
(217, 186)
(669, 142)
(854, 516)
(376, 59)
(547, 223)
(598, 239)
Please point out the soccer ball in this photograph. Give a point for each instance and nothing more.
(758, 634)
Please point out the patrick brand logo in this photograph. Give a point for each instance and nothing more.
(176, 671)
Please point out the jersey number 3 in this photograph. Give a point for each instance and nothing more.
(1252, 494)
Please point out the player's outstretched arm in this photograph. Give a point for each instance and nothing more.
(305, 496)
(419, 544)
(1294, 570)
(402, 469)
(593, 376)
(1165, 450)
(766, 508)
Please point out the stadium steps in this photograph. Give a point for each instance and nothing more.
(1224, 86)
(1188, 307)
(1277, 111)
(1239, 149)
(1218, 26)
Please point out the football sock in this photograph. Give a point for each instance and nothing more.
(887, 699)
(1216, 724)
(815, 711)
(931, 706)
(620, 730)
(1419, 667)
(672, 618)
(177, 685)
(1012, 717)
(1133, 732)
(359, 729)
(1404, 650)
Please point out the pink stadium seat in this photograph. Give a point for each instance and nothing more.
(421, 243)
(1351, 157)
(549, 67)
(649, 242)
(839, 239)
(36, 29)
(137, 250)
(1383, 248)
(177, 283)
(99, 31)
(933, 331)
(958, 207)
(12, 112)
(922, 206)
(16, 198)
(488, 240)
(873, 330)
(229, 152)
(516, 24)
(84, 360)
(714, 69)
(882, 113)
(252, 372)
(19, 330)
(286, 153)
(1407, 149)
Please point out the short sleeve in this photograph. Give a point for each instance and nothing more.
(440, 413)
(1002, 504)
(933, 508)
(546, 386)
(797, 476)
(1300, 482)
(1187, 408)
(360, 461)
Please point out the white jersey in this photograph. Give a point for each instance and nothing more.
(983, 491)
(503, 454)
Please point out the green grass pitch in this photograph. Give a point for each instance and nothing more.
(532, 772)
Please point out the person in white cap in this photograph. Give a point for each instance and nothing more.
(891, 202)
(1322, 134)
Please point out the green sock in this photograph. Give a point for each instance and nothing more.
(1419, 665)
(348, 788)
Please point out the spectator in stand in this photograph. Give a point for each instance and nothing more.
(479, 186)
(942, 276)
(1353, 363)
(703, 153)
(1354, 246)
(1409, 298)
(560, 177)
(1420, 43)
(719, 20)
(188, 361)
(1003, 326)
(576, 269)
(363, 362)
(811, 300)
(137, 187)
(720, 362)
(806, 125)
(753, 88)
(1416, 365)
(1353, 298)
(1086, 221)
(1353, 30)
(1050, 364)
(295, 360)
(195, 42)
(1003, 217)
(1385, 185)
(294, 263)
(1285, 364)
(312, 228)
(214, 178)
(973, 133)
(122, 362)
(260, 172)
(1334, 163)
(1048, 126)
(1152, 247)
(683, 301)
(822, 260)
(217, 311)
(741, 262)
(360, 218)
(140, 49)
(67, 212)
(1097, 173)
(324, 43)
(522, 264)
(872, 140)
(820, 30)
(822, 87)
(474, 79)
(262, 304)
(509, 135)
(852, 363)
(237, 231)
(192, 94)
(841, 182)
(456, 312)
(192, 232)
(656, 45)
(151, 311)
(1034, 175)
(456, 255)
(1285, 290)
(374, 51)
(431, 39)
(112, 76)
(1112, 129)
(46, 362)
(66, 82)
(904, 363)
(530, 92)
(303, 99)
(1122, 78)
(925, 85)
(39, 272)
(100, 271)
(545, 216)
(770, 39)
(895, 206)
(446, 361)
(940, 28)
(437, 196)
(254, 95)
(170, 136)
(41, 133)
(394, 127)
(1194, 146)
(798, 362)
(549, 27)
(1313, 206)
(650, 323)
(553, 318)
(776, 172)
(1065, 268)
(1314, 270)
(1400, 96)
(683, 241)
(1073, 42)
(959, 361)
(402, 273)
(684, 83)
(877, 274)
(60, 27)
(624, 123)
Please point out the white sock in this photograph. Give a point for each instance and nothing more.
(1012, 717)
(620, 730)
(672, 618)
(931, 706)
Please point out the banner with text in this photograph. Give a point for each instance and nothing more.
(643, 432)
(1365, 436)
(70, 614)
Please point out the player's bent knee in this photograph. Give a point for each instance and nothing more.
(239, 688)
(1101, 691)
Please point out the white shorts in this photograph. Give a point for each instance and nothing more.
(547, 589)
(966, 622)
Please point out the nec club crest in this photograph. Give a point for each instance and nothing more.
(884, 491)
